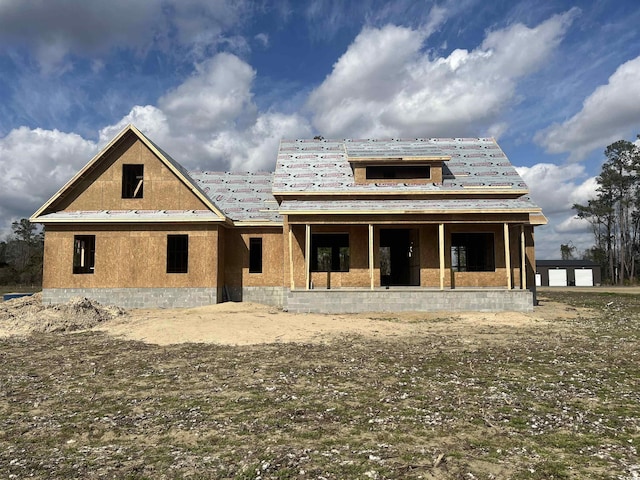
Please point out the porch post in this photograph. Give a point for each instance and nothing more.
(441, 250)
(523, 254)
(507, 255)
(371, 254)
(291, 277)
(307, 254)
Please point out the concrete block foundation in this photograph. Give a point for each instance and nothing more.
(136, 297)
(409, 299)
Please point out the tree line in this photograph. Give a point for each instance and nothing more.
(21, 255)
(614, 214)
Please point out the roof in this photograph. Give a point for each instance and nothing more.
(517, 205)
(476, 165)
(243, 197)
(566, 263)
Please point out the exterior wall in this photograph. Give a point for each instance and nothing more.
(571, 274)
(131, 256)
(358, 274)
(496, 278)
(236, 267)
(102, 189)
(408, 299)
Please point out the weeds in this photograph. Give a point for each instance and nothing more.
(558, 403)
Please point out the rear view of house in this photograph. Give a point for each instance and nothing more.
(340, 226)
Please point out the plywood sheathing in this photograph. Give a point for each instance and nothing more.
(236, 272)
(102, 189)
(131, 256)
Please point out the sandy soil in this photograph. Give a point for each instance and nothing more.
(250, 324)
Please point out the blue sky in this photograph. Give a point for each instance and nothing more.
(217, 84)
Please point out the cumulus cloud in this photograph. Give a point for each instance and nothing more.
(34, 164)
(208, 122)
(386, 85)
(556, 188)
(604, 118)
(211, 122)
(53, 30)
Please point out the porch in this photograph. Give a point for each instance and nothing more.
(433, 256)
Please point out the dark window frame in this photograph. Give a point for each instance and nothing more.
(178, 253)
(255, 255)
(398, 172)
(330, 252)
(473, 252)
(84, 254)
(132, 180)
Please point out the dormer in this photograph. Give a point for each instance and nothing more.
(397, 170)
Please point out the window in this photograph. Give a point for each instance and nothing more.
(330, 252)
(177, 253)
(472, 252)
(84, 253)
(132, 181)
(398, 172)
(255, 255)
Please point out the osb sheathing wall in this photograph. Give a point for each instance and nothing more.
(130, 256)
(102, 189)
(236, 258)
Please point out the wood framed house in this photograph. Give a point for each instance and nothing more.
(340, 226)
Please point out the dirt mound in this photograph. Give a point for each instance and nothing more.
(25, 315)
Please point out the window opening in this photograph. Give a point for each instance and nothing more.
(177, 253)
(132, 181)
(84, 253)
(330, 252)
(472, 252)
(255, 255)
(400, 172)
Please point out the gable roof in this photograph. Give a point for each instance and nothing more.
(471, 166)
(43, 215)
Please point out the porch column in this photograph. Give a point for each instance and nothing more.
(307, 254)
(441, 250)
(507, 255)
(371, 254)
(523, 255)
(291, 277)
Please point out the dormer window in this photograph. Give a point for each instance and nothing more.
(398, 172)
(132, 180)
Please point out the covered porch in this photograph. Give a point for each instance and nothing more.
(409, 265)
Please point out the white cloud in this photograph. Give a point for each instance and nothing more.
(34, 164)
(556, 189)
(607, 115)
(53, 30)
(210, 121)
(216, 97)
(385, 85)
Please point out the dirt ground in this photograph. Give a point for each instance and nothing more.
(253, 324)
(244, 391)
